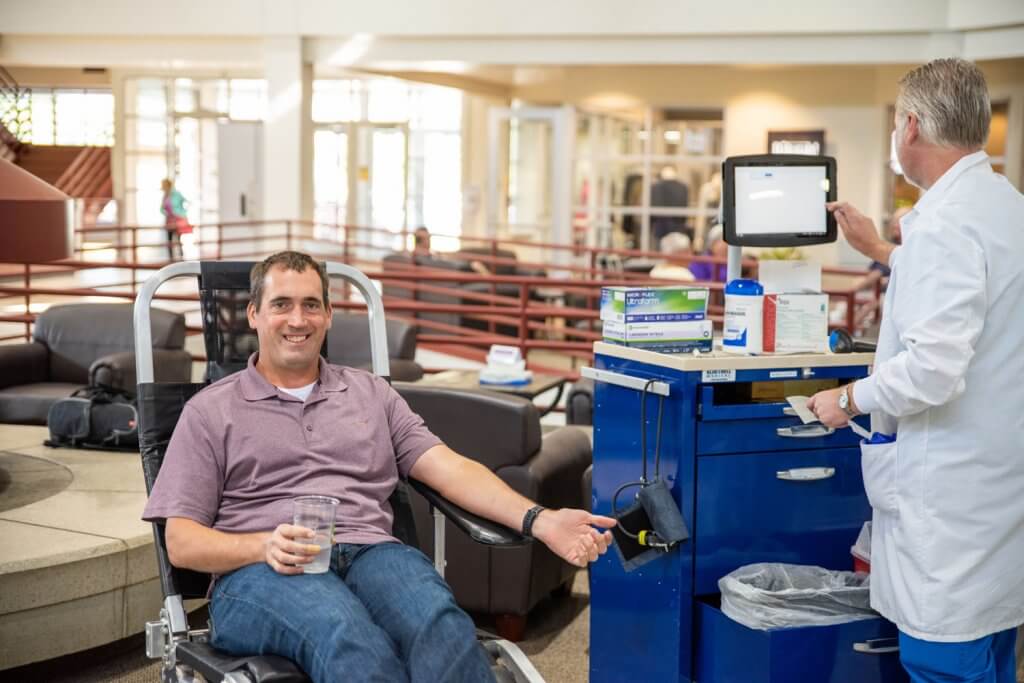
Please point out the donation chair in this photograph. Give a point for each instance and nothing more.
(184, 651)
(75, 345)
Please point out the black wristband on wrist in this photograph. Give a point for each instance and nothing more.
(529, 518)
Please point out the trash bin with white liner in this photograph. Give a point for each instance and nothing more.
(774, 595)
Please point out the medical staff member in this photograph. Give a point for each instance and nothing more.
(947, 548)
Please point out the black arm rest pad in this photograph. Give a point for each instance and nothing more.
(118, 369)
(403, 370)
(23, 364)
(477, 528)
(213, 664)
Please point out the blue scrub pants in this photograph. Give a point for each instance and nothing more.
(986, 660)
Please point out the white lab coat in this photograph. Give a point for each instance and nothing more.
(947, 548)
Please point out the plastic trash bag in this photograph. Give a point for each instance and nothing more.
(771, 595)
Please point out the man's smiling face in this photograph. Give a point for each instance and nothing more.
(291, 324)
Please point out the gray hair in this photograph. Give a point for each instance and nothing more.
(949, 97)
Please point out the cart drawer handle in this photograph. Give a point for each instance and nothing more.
(877, 646)
(806, 474)
(804, 431)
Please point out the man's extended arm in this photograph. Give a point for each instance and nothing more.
(568, 533)
(191, 545)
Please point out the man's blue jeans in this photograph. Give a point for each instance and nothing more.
(986, 660)
(381, 614)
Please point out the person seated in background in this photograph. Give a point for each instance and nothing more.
(881, 271)
(714, 246)
(673, 244)
(291, 424)
(421, 248)
(421, 242)
(867, 304)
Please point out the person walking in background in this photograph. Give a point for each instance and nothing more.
(172, 206)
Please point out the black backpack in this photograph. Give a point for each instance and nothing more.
(94, 417)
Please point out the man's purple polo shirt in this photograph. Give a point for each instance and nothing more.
(242, 450)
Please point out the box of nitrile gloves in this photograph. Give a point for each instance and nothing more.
(653, 304)
(674, 336)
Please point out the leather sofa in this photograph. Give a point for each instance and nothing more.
(348, 343)
(503, 432)
(75, 345)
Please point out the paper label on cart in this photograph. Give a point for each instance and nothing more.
(718, 376)
(782, 374)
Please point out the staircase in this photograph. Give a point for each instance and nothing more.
(80, 172)
(15, 116)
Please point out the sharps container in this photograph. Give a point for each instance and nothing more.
(744, 305)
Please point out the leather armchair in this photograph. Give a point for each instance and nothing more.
(75, 345)
(502, 432)
(348, 343)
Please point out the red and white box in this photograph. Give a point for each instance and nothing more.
(795, 323)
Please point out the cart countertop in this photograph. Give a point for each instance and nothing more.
(719, 360)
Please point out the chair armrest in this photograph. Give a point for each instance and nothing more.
(23, 364)
(403, 370)
(118, 369)
(477, 528)
(579, 404)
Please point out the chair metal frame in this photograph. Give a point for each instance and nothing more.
(169, 638)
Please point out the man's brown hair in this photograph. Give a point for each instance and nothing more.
(289, 260)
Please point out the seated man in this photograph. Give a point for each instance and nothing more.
(290, 425)
(421, 252)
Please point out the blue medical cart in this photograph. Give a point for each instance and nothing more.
(754, 485)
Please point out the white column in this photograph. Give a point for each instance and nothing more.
(287, 131)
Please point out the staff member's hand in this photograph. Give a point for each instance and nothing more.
(825, 406)
(860, 232)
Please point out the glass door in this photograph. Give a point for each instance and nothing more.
(360, 179)
(529, 154)
(330, 180)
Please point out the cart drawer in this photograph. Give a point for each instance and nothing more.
(854, 652)
(786, 433)
(800, 507)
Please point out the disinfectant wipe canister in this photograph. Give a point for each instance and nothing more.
(744, 303)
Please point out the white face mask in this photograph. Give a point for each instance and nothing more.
(894, 160)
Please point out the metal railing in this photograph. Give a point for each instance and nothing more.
(464, 312)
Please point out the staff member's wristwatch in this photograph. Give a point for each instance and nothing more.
(845, 403)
